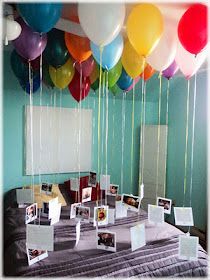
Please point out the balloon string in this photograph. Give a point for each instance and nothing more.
(99, 112)
(158, 148)
(132, 138)
(40, 119)
(107, 128)
(31, 124)
(193, 141)
(166, 141)
(113, 134)
(79, 133)
(59, 142)
(143, 129)
(186, 141)
(123, 140)
(103, 112)
(54, 101)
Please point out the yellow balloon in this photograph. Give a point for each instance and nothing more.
(132, 62)
(144, 28)
(63, 75)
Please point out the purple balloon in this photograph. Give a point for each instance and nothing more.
(87, 66)
(29, 44)
(171, 70)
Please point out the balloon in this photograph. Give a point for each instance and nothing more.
(124, 81)
(79, 47)
(35, 64)
(101, 22)
(11, 30)
(35, 84)
(86, 66)
(20, 69)
(115, 89)
(132, 62)
(164, 53)
(171, 70)
(29, 44)
(95, 85)
(63, 75)
(41, 17)
(114, 74)
(70, 12)
(95, 73)
(135, 81)
(148, 73)
(77, 89)
(144, 28)
(192, 28)
(46, 76)
(56, 53)
(111, 53)
(187, 62)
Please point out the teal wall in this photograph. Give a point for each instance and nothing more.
(14, 100)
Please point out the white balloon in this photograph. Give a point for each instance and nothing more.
(101, 22)
(165, 51)
(12, 29)
(189, 63)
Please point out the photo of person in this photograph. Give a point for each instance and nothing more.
(86, 194)
(35, 255)
(101, 215)
(131, 202)
(106, 240)
(46, 188)
(165, 203)
(113, 189)
(31, 213)
(83, 213)
(45, 209)
(92, 179)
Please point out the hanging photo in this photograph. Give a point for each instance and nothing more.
(106, 240)
(104, 182)
(131, 202)
(183, 216)
(83, 213)
(155, 214)
(120, 210)
(188, 247)
(24, 196)
(73, 210)
(137, 236)
(101, 215)
(113, 189)
(46, 188)
(35, 255)
(56, 215)
(86, 194)
(31, 213)
(92, 179)
(165, 203)
(74, 183)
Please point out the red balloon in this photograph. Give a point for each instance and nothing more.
(78, 88)
(192, 28)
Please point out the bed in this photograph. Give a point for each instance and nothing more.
(158, 258)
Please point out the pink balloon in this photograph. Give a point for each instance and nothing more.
(135, 81)
(189, 63)
(29, 44)
(86, 66)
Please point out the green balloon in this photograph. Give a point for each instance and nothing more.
(114, 74)
(95, 85)
(56, 52)
(115, 89)
(46, 76)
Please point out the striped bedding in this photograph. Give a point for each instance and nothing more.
(158, 258)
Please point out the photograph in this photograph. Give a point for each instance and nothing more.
(45, 209)
(73, 210)
(155, 214)
(46, 188)
(188, 247)
(131, 202)
(86, 194)
(113, 189)
(35, 255)
(106, 240)
(31, 213)
(83, 213)
(183, 216)
(92, 179)
(165, 203)
(101, 215)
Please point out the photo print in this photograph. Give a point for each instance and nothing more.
(104, 182)
(46, 188)
(92, 179)
(101, 215)
(183, 216)
(35, 255)
(188, 247)
(131, 202)
(86, 194)
(113, 189)
(83, 213)
(106, 240)
(73, 210)
(31, 213)
(165, 203)
(74, 182)
(155, 214)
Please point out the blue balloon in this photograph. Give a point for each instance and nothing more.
(111, 53)
(36, 85)
(124, 81)
(40, 17)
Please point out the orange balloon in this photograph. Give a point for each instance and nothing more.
(79, 47)
(148, 73)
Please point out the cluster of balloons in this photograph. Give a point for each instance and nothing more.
(153, 44)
